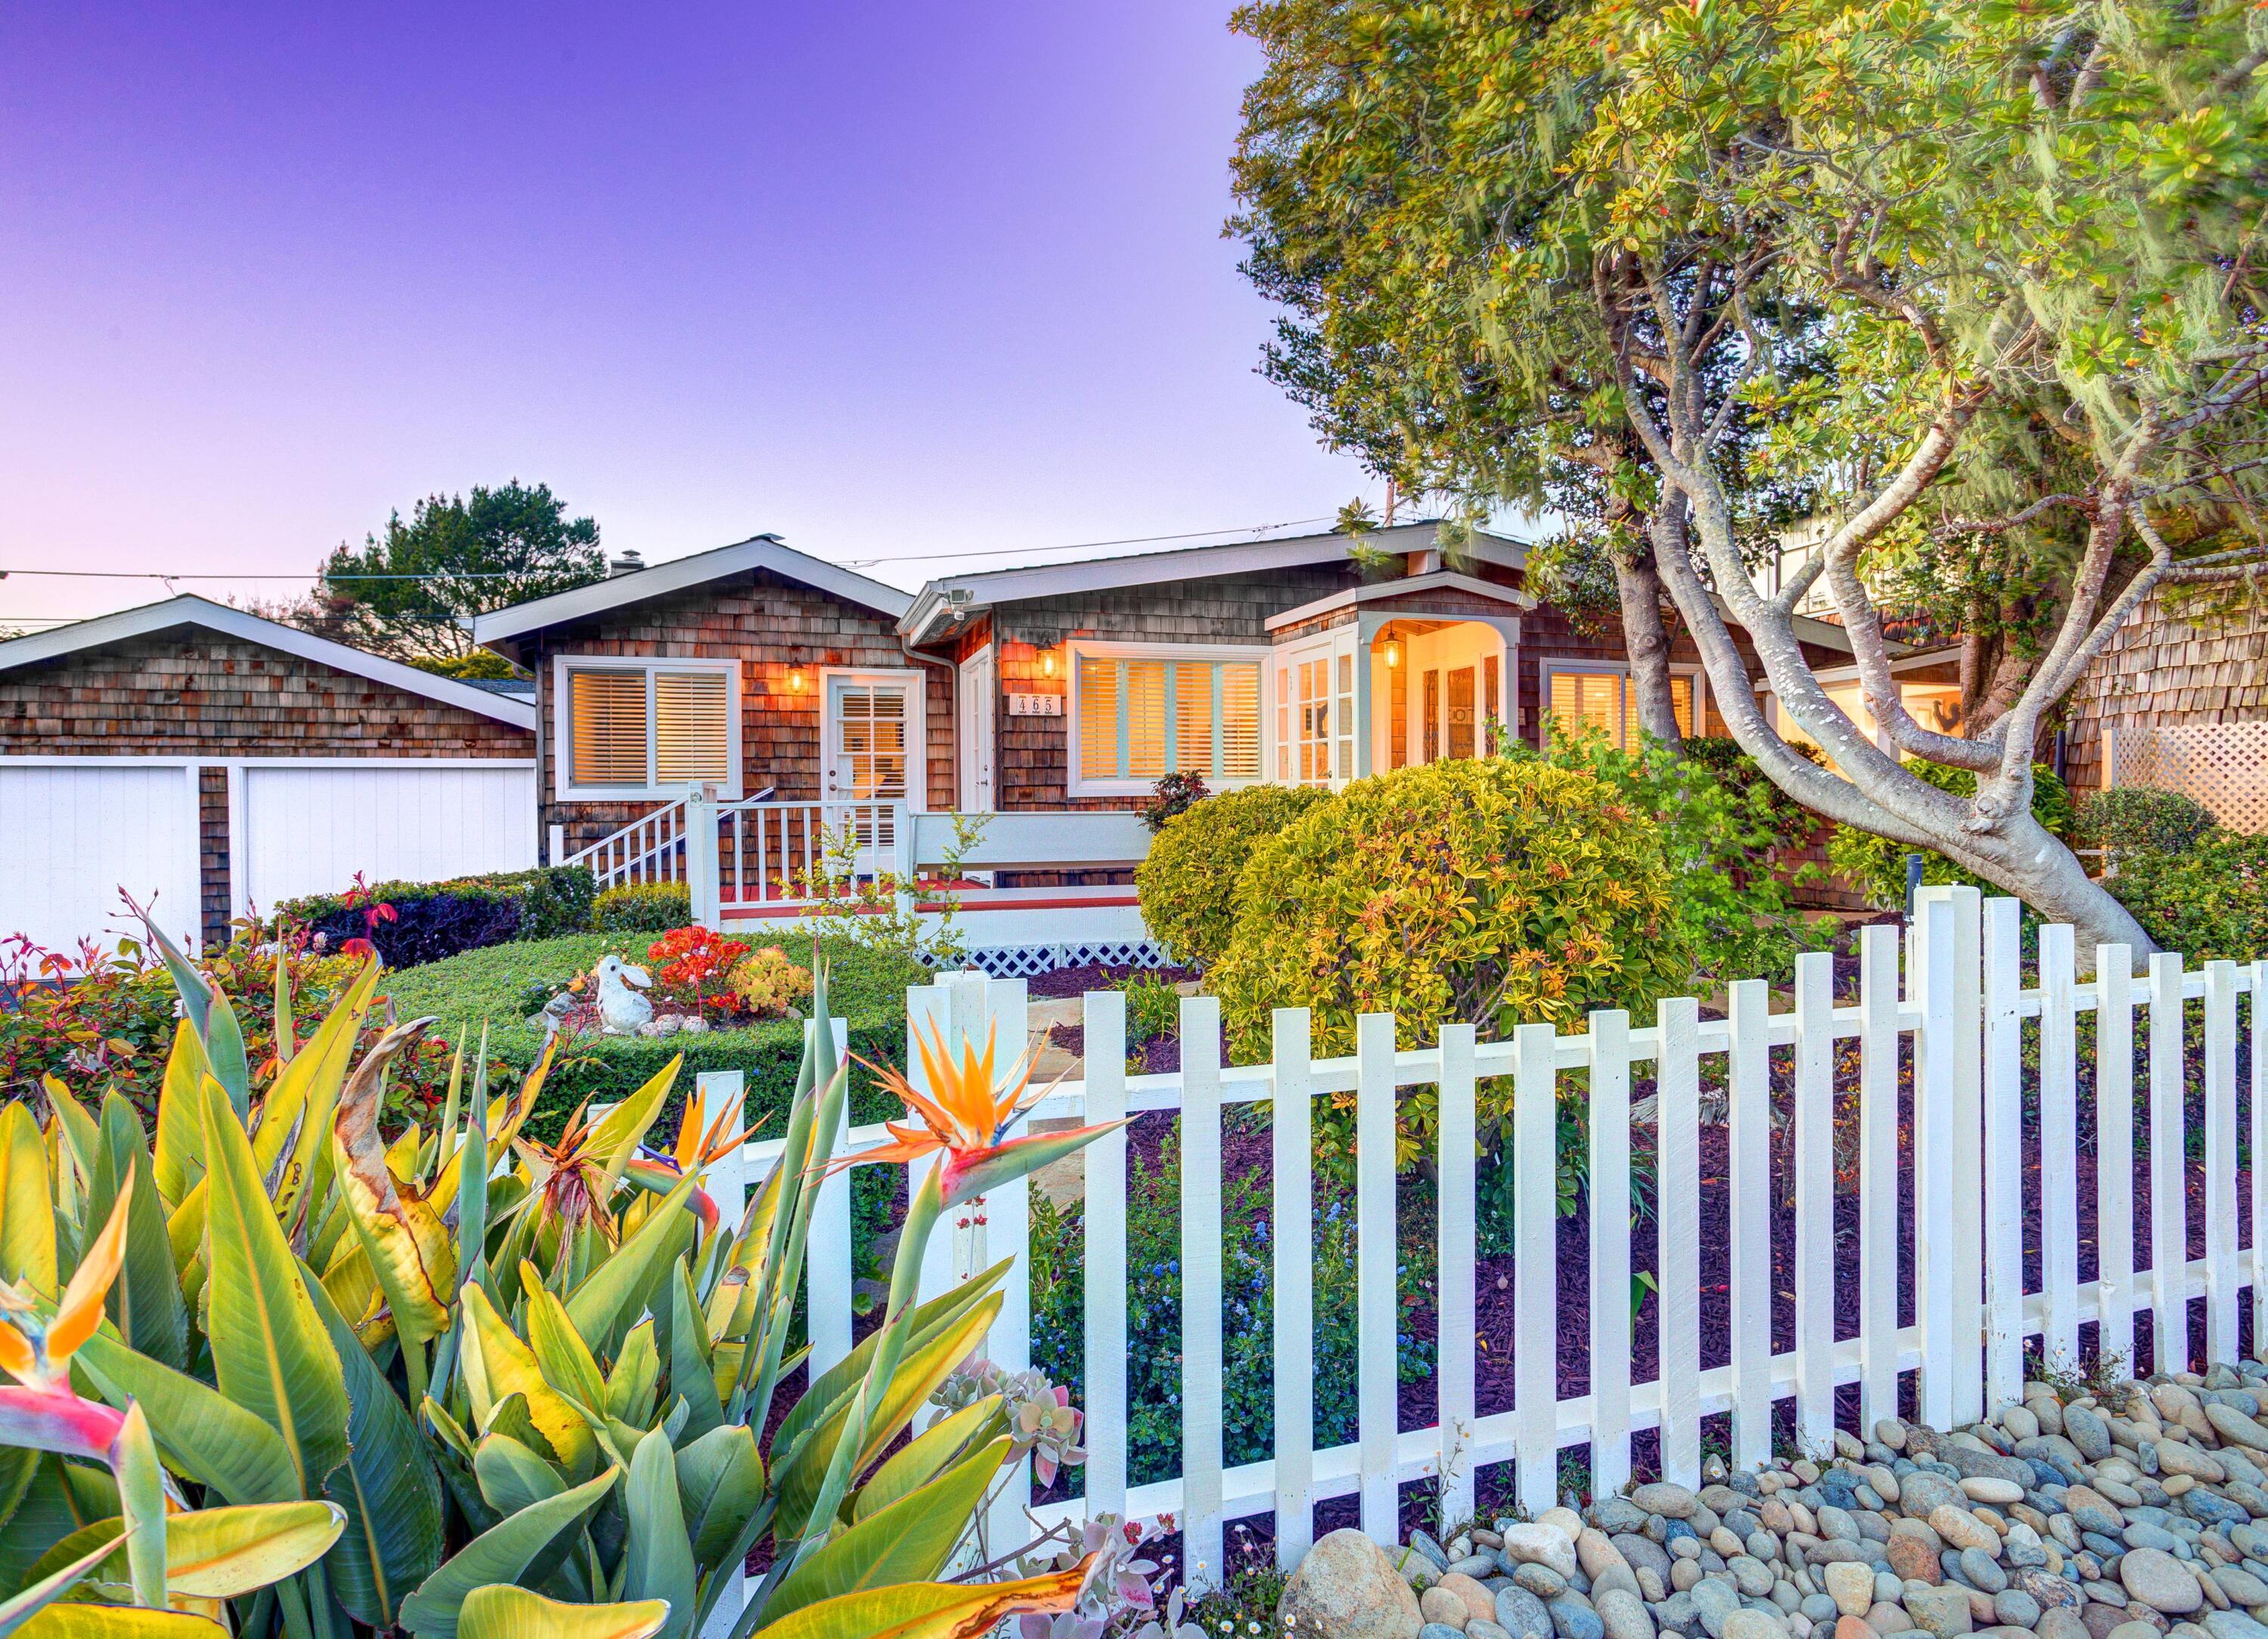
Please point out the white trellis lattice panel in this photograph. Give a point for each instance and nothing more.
(2222, 765)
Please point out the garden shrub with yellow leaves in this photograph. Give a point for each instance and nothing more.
(466, 1384)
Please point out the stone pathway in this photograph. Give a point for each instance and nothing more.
(2127, 1516)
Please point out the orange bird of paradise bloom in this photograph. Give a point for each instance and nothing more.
(965, 1117)
(41, 1411)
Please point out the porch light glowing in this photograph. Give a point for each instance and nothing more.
(1393, 652)
(795, 680)
(1047, 663)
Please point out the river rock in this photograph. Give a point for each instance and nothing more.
(1622, 1616)
(1441, 1608)
(1346, 1588)
(1939, 1611)
(2157, 1579)
(1540, 1544)
(1522, 1615)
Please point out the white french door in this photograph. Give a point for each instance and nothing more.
(1316, 714)
(871, 733)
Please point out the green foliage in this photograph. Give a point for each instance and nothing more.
(2129, 820)
(1175, 794)
(1188, 883)
(2209, 900)
(1877, 865)
(643, 908)
(1496, 891)
(1153, 1008)
(482, 665)
(1154, 1271)
(409, 593)
(491, 987)
(418, 1372)
(1718, 830)
(427, 920)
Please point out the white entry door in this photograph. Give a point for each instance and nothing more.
(974, 739)
(872, 735)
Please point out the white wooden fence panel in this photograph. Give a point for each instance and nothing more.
(1458, 1231)
(2058, 1145)
(1965, 998)
(1678, 1259)
(1104, 1016)
(1878, 1181)
(78, 832)
(2002, 1062)
(1201, 1260)
(309, 830)
(2114, 1148)
(1375, 1300)
(1610, 1260)
(1536, 1272)
(2256, 1265)
(1814, 1201)
(1293, 1159)
(1748, 1086)
(2169, 1326)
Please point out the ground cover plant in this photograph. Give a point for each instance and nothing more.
(435, 1394)
(411, 922)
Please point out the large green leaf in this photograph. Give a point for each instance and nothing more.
(657, 1559)
(928, 1454)
(836, 1384)
(21, 1608)
(27, 1208)
(200, 1431)
(929, 1610)
(691, 1374)
(511, 1475)
(501, 1554)
(387, 1486)
(146, 1300)
(180, 1158)
(270, 1352)
(908, 1541)
(720, 1480)
(113, 1621)
(603, 1307)
(510, 1612)
(64, 1498)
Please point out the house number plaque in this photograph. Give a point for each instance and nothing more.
(1035, 705)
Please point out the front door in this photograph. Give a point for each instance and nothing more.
(974, 739)
(869, 735)
(1315, 710)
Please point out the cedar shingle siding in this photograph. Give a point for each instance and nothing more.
(772, 625)
(193, 693)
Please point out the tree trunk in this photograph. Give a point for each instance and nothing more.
(1645, 640)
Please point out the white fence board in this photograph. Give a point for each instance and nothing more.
(75, 836)
(309, 830)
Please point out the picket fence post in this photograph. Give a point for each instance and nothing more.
(1453, 1331)
(1814, 1201)
(2059, 1146)
(1535, 1265)
(2004, 1155)
(1104, 1015)
(2169, 1249)
(1878, 1174)
(1376, 1304)
(1677, 1221)
(1291, 1155)
(2114, 1149)
(1201, 1280)
(1611, 1254)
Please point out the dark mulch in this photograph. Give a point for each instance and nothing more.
(1065, 981)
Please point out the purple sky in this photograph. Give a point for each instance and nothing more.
(896, 279)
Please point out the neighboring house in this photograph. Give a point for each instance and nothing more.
(209, 761)
(2179, 699)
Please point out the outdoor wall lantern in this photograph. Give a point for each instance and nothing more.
(1393, 653)
(1047, 663)
(795, 683)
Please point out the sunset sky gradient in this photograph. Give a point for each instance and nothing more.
(898, 281)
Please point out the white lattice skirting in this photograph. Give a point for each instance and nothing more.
(1025, 961)
(2222, 765)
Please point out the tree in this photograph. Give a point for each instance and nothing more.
(409, 593)
(1992, 217)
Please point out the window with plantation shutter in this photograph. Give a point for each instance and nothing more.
(1599, 696)
(690, 728)
(1141, 711)
(652, 728)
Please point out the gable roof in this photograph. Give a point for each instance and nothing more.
(986, 588)
(758, 552)
(1408, 586)
(191, 610)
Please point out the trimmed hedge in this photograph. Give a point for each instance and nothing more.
(867, 992)
(2140, 820)
(2209, 900)
(434, 921)
(643, 908)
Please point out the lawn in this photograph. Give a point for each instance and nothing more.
(866, 990)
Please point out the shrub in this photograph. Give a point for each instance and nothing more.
(643, 908)
(769, 985)
(866, 990)
(1175, 795)
(432, 921)
(1720, 821)
(1153, 1008)
(689, 962)
(1877, 865)
(2209, 900)
(1498, 890)
(2129, 820)
(1187, 883)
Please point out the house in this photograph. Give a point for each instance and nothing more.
(806, 701)
(208, 761)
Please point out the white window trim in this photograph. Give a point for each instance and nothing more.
(562, 725)
(916, 682)
(1551, 665)
(1088, 648)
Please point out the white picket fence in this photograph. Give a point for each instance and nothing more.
(1954, 984)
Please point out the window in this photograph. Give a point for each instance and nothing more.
(1599, 696)
(631, 728)
(1141, 711)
